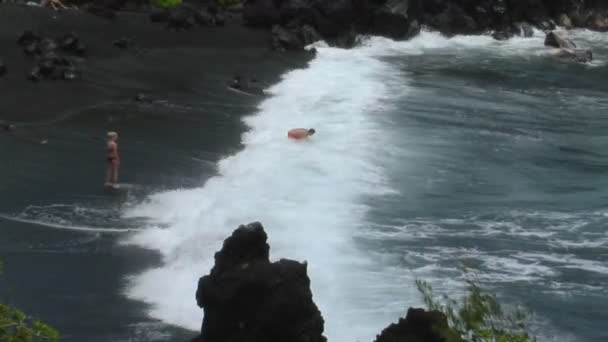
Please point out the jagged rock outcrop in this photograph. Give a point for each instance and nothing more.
(568, 49)
(393, 20)
(246, 298)
(55, 58)
(575, 55)
(419, 326)
(555, 40)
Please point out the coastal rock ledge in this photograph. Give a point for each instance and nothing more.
(247, 298)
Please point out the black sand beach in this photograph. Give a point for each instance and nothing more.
(111, 74)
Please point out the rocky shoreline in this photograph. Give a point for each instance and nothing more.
(290, 25)
(247, 298)
(297, 23)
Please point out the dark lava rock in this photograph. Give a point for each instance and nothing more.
(598, 22)
(31, 49)
(46, 67)
(454, 20)
(575, 55)
(392, 20)
(419, 326)
(181, 18)
(525, 29)
(309, 35)
(501, 35)
(7, 126)
(70, 74)
(69, 42)
(284, 39)
(34, 75)
(261, 13)
(204, 18)
(249, 86)
(220, 19)
(140, 97)
(247, 298)
(555, 40)
(160, 16)
(101, 8)
(47, 44)
(123, 43)
(80, 49)
(28, 37)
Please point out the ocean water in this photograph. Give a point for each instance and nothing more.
(437, 159)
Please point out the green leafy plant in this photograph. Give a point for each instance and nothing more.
(166, 3)
(479, 317)
(15, 326)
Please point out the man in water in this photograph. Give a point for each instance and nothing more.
(112, 160)
(300, 133)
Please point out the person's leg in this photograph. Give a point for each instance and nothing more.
(115, 166)
(109, 169)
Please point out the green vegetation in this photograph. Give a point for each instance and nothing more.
(166, 3)
(15, 326)
(479, 317)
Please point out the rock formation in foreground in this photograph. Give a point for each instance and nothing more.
(246, 298)
(419, 326)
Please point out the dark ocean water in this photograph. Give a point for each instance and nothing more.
(500, 162)
(439, 159)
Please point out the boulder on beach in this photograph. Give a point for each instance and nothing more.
(28, 37)
(54, 57)
(69, 42)
(123, 43)
(247, 298)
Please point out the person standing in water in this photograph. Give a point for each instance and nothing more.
(112, 160)
(300, 133)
